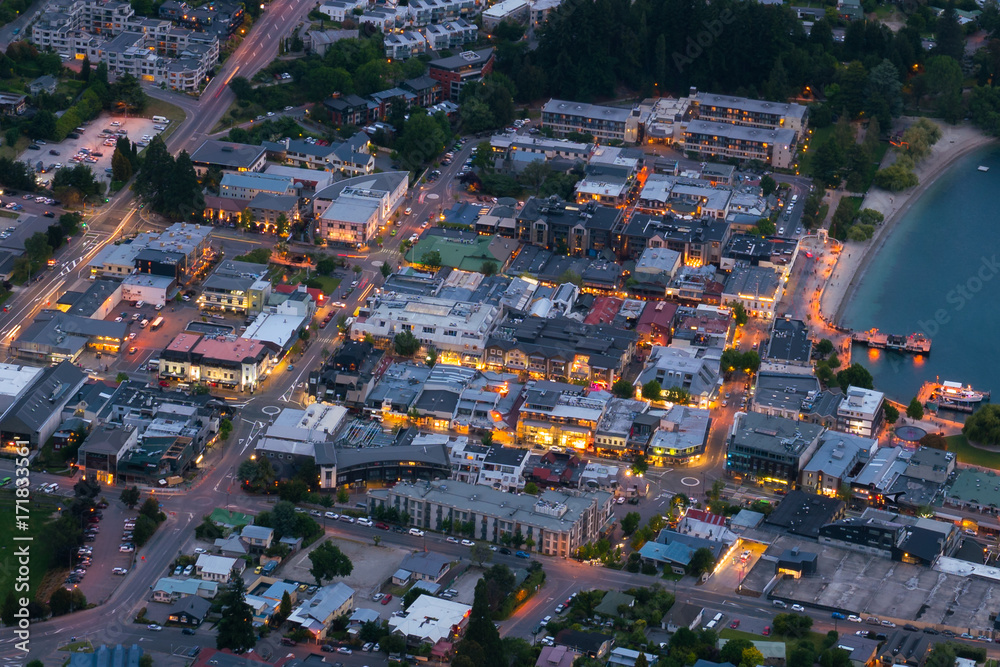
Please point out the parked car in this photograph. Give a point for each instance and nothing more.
(387, 599)
(187, 631)
(416, 532)
(468, 543)
(523, 554)
(154, 626)
(343, 650)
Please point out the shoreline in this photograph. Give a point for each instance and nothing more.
(956, 142)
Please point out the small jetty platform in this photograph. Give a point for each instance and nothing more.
(915, 343)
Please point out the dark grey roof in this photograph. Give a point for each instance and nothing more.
(463, 59)
(192, 604)
(426, 563)
(789, 341)
(425, 454)
(269, 202)
(506, 456)
(438, 400)
(803, 513)
(227, 154)
(91, 301)
(49, 394)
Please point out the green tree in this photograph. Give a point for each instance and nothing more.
(855, 375)
(481, 631)
(534, 174)
(983, 426)
(531, 489)
(739, 313)
(342, 495)
(630, 522)
(652, 391)
(130, 497)
(622, 388)
(121, 167)
(328, 561)
(767, 187)
(702, 560)
(792, 625)
(891, 413)
(431, 259)
(489, 268)
(235, 629)
(283, 519)
(385, 270)
(732, 652)
(640, 465)
(285, 608)
(824, 347)
(915, 410)
(282, 226)
(405, 343)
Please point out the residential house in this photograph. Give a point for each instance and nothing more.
(189, 611)
(217, 568)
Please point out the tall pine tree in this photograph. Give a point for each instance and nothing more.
(482, 633)
(235, 630)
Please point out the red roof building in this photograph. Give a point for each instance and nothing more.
(604, 310)
(656, 324)
(317, 294)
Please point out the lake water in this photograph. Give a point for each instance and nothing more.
(939, 274)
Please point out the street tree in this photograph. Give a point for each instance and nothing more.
(702, 560)
(405, 343)
(235, 630)
(622, 388)
(328, 561)
(915, 410)
(630, 522)
(130, 497)
(652, 391)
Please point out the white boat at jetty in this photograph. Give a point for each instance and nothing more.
(954, 394)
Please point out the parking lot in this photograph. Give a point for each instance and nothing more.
(94, 146)
(872, 585)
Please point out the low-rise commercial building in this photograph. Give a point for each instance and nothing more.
(457, 329)
(862, 411)
(228, 157)
(516, 11)
(236, 363)
(757, 289)
(351, 211)
(839, 458)
(247, 185)
(557, 523)
(770, 450)
(680, 438)
(430, 620)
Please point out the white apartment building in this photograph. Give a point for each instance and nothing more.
(247, 185)
(861, 411)
(338, 10)
(425, 12)
(454, 326)
(451, 34)
(403, 45)
(499, 467)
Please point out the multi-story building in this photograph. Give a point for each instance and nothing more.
(557, 414)
(700, 242)
(238, 287)
(720, 141)
(514, 11)
(746, 112)
(228, 157)
(235, 363)
(459, 330)
(614, 433)
(338, 10)
(248, 185)
(350, 212)
(839, 458)
(758, 289)
(450, 35)
(455, 71)
(861, 412)
(151, 50)
(425, 12)
(501, 468)
(680, 438)
(770, 450)
(556, 524)
(404, 45)
(561, 349)
(567, 227)
(663, 194)
(692, 370)
(220, 18)
(603, 123)
(347, 109)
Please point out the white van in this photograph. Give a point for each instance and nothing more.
(160, 119)
(140, 304)
(416, 532)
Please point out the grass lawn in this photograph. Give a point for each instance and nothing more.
(9, 214)
(39, 513)
(19, 147)
(972, 455)
(817, 139)
(176, 115)
(815, 637)
(329, 283)
(78, 647)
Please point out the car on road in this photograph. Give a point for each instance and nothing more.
(505, 551)
(416, 532)
(382, 526)
(407, 211)
(154, 627)
(523, 554)
(560, 608)
(328, 648)
(468, 543)
(387, 599)
(119, 570)
(343, 650)
(199, 550)
(888, 624)
(798, 607)
(288, 641)
(288, 108)
(133, 350)
(118, 319)
(838, 615)
(735, 623)
(854, 618)
(187, 631)
(453, 540)
(766, 631)
(331, 515)
(909, 627)
(315, 513)
(367, 523)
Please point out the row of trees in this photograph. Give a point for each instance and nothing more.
(169, 185)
